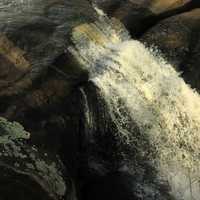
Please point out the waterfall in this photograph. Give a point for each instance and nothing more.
(142, 90)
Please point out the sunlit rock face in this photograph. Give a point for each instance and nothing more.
(153, 116)
(26, 172)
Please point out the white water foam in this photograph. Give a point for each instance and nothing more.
(137, 83)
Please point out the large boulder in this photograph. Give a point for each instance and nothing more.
(37, 74)
(32, 35)
(139, 16)
(175, 37)
(26, 171)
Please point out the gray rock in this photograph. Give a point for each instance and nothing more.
(139, 16)
(26, 171)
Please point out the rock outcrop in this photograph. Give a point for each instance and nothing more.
(27, 172)
(175, 37)
(139, 16)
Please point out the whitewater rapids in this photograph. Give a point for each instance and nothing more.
(140, 88)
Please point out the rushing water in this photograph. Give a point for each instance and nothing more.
(141, 89)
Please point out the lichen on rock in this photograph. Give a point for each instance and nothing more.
(21, 158)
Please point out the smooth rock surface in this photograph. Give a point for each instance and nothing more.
(139, 16)
(175, 37)
(32, 35)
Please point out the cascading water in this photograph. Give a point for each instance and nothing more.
(140, 89)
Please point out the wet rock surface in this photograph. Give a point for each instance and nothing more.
(175, 37)
(33, 34)
(139, 16)
(190, 66)
(71, 150)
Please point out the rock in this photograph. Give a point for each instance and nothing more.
(190, 65)
(108, 6)
(37, 74)
(28, 172)
(116, 186)
(139, 16)
(32, 35)
(175, 37)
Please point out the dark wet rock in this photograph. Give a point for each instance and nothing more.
(119, 186)
(37, 74)
(113, 186)
(32, 35)
(26, 171)
(108, 6)
(175, 37)
(156, 6)
(190, 65)
(37, 82)
(139, 16)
